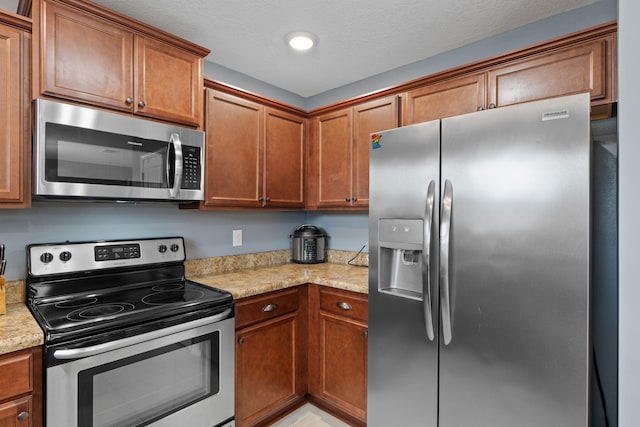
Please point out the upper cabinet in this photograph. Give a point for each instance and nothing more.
(90, 54)
(444, 99)
(15, 153)
(255, 154)
(338, 170)
(581, 68)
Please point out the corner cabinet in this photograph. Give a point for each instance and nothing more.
(21, 388)
(87, 53)
(15, 147)
(271, 355)
(338, 352)
(255, 154)
(339, 163)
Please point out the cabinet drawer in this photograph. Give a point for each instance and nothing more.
(16, 373)
(265, 307)
(344, 303)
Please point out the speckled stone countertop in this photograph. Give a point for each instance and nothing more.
(18, 329)
(259, 280)
(242, 275)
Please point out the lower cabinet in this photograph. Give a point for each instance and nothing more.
(21, 388)
(307, 343)
(271, 355)
(338, 352)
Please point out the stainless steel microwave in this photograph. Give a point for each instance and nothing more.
(82, 152)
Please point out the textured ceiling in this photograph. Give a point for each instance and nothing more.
(357, 38)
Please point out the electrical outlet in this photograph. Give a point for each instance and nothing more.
(237, 237)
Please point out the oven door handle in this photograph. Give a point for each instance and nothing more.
(77, 353)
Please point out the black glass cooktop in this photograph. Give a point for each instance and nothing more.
(132, 303)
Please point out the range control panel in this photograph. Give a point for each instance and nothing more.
(70, 257)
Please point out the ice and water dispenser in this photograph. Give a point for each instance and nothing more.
(400, 247)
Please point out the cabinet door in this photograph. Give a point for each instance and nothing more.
(14, 148)
(453, 97)
(16, 413)
(333, 156)
(168, 82)
(283, 160)
(233, 152)
(86, 58)
(265, 369)
(368, 118)
(571, 70)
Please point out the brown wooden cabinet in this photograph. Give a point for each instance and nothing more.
(15, 152)
(339, 166)
(448, 98)
(255, 154)
(90, 54)
(271, 355)
(21, 388)
(587, 66)
(338, 352)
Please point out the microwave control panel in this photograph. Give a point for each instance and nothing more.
(191, 168)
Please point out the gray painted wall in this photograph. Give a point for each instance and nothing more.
(629, 206)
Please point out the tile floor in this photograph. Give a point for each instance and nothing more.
(309, 416)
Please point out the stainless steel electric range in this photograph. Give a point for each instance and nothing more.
(128, 340)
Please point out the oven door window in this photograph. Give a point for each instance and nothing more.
(79, 155)
(141, 389)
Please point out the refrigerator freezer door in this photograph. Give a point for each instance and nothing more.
(518, 266)
(403, 224)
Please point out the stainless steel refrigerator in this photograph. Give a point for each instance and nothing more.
(479, 237)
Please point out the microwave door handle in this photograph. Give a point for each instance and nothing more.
(176, 145)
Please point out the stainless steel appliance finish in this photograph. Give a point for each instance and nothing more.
(82, 152)
(479, 231)
(309, 245)
(128, 338)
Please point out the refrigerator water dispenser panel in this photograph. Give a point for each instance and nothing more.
(400, 248)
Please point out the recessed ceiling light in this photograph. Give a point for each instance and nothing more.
(301, 40)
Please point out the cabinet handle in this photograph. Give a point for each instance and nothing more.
(240, 341)
(343, 305)
(23, 416)
(142, 104)
(128, 101)
(492, 105)
(269, 307)
(366, 334)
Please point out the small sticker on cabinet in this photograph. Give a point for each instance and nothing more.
(555, 115)
(375, 141)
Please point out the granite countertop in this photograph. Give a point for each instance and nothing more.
(255, 281)
(18, 329)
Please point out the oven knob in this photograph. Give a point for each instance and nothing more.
(162, 249)
(46, 257)
(65, 256)
(174, 247)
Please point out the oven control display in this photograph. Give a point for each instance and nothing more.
(114, 252)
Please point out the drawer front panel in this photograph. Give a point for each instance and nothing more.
(265, 307)
(344, 303)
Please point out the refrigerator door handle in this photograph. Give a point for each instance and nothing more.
(426, 260)
(445, 231)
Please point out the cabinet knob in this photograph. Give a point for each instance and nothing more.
(142, 104)
(269, 307)
(268, 199)
(343, 305)
(480, 108)
(355, 199)
(240, 341)
(23, 416)
(366, 334)
(128, 101)
(492, 105)
(347, 199)
(260, 199)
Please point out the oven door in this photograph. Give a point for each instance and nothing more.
(180, 375)
(82, 152)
